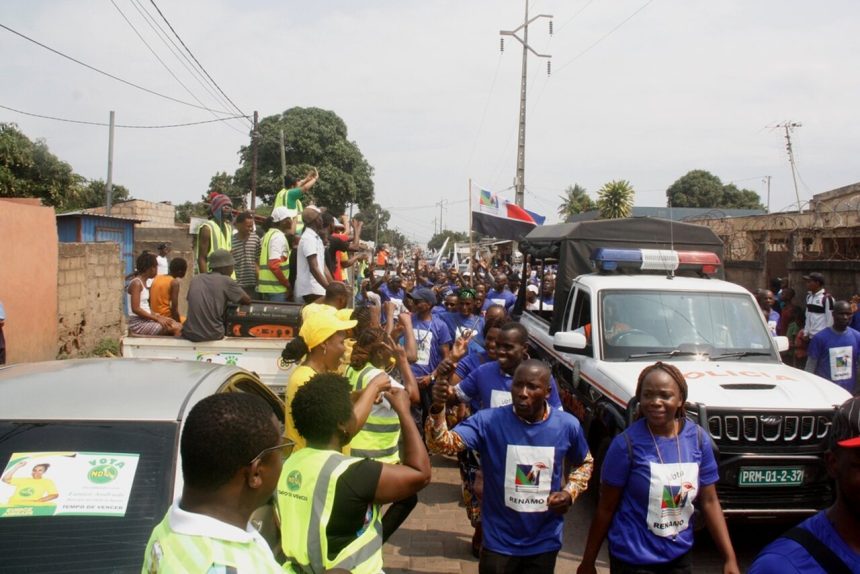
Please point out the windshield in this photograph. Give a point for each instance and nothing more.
(82, 523)
(638, 325)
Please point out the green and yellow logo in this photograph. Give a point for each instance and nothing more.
(104, 470)
(27, 491)
(294, 480)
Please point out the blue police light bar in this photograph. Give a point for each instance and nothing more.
(611, 259)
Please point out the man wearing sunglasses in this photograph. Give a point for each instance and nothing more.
(232, 453)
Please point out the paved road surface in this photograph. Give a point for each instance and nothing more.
(436, 538)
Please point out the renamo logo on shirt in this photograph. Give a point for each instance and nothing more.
(528, 476)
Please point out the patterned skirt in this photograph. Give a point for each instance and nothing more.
(141, 326)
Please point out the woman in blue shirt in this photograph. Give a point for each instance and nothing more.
(652, 473)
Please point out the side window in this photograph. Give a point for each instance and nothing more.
(580, 319)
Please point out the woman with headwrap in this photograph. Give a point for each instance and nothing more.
(216, 232)
(319, 346)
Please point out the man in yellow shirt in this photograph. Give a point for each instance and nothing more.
(32, 491)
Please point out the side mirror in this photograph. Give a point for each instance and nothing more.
(781, 343)
(568, 341)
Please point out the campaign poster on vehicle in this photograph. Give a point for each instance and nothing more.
(67, 484)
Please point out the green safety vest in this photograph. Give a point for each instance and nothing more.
(169, 551)
(281, 201)
(217, 240)
(305, 500)
(267, 281)
(379, 436)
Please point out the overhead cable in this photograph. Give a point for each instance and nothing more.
(109, 75)
(147, 127)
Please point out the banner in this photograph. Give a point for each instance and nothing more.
(509, 222)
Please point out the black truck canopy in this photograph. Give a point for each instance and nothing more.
(571, 244)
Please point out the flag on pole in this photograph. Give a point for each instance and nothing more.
(488, 199)
(510, 221)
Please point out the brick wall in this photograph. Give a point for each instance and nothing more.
(90, 296)
(153, 214)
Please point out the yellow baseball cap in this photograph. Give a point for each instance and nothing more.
(323, 324)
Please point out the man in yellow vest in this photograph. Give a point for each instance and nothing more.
(273, 283)
(216, 232)
(329, 502)
(232, 454)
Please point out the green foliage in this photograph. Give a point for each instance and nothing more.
(185, 211)
(106, 348)
(222, 182)
(575, 200)
(700, 188)
(370, 215)
(29, 169)
(615, 199)
(394, 238)
(438, 240)
(314, 138)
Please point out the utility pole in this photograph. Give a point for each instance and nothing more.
(254, 166)
(283, 158)
(767, 180)
(519, 181)
(789, 126)
(109, 184)
(440, 203)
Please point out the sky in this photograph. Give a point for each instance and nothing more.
(640, 90)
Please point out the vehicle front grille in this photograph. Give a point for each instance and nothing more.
(817, 495)
(769, 428)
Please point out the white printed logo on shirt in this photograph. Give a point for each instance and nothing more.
(841, 359)
(424, 340)
(670, 499)
(500, 398)
(501, 302)
(528, 477)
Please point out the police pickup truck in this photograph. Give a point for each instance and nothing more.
(635, 291)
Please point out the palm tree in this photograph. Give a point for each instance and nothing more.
(615, 199)
(575, 200)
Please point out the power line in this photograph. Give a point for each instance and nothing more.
(577, 13)
(605, 36)
(109, 75)
(190, 53)
(149, 127)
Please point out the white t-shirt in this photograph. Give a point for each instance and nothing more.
(277, 246)
(309, 244)
(162, 264)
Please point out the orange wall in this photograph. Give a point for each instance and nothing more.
(28, 280)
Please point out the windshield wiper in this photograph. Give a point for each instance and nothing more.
(739, 354)
(671, 353)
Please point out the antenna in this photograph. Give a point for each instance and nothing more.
(671, 272)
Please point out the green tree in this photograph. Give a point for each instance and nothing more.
(700, 188)
(222, 182)
(93, 195)
(394, 238)
(615, 199)
(29, 169)
(185, 211)
(375, 221)
(314, 138)
(438, 240)
(575, 200)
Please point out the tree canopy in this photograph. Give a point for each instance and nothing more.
(700, 188)
(29, 169)
(575, 200)
(615, 199)
(313, 138)
(438, 240)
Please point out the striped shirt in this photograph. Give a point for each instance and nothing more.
(246, 253)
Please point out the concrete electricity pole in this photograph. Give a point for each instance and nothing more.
(519, 182)
(109, 184)
(254, 164)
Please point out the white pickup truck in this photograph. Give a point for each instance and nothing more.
(768, 422)
(257, 333)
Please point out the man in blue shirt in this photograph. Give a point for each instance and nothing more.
(393, 291)
(433, 340)
(500, 294)
(829, 542)
(523, 447)
(461, 321)
(834, 351)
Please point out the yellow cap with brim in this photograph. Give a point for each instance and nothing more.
(322, 325)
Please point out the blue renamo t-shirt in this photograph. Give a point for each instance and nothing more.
(503, 297)
(652, 523)
(837, 355)
(784, 556)
(469, 363)
(430, 336)
(522, 463)
(490, 387)
(457, 323)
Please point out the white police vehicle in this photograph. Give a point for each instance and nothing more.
(768, 422)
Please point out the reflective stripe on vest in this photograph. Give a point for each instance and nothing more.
(267, 281)
(217, 240)
(169, 551)
(306, 491)
(379, 437)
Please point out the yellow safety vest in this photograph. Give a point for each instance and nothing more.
(281, 201)
(217, 240)
(168, 552)
(379, 436)
(267, 281)
(305, 501)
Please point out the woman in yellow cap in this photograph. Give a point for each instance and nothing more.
(320, 346)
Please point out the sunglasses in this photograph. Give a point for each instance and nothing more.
(286, 449)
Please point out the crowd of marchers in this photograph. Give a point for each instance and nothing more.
(401, 359)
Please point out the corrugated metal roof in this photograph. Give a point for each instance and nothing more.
(80, 212)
